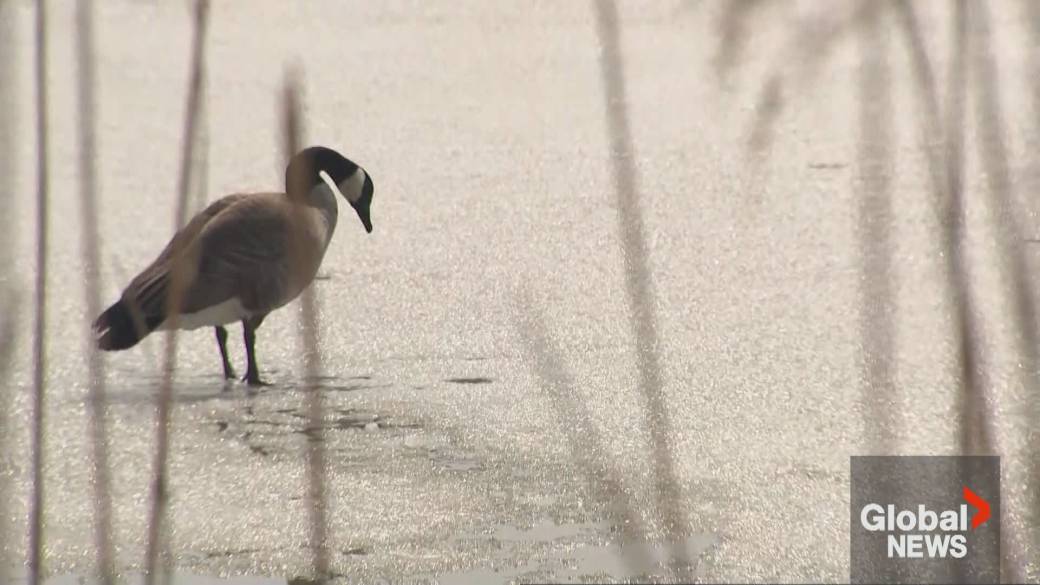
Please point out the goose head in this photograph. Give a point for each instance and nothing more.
(304, 173)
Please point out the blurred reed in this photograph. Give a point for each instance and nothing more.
(1031, 12)
(641, 295)
(811, 41)
(157, 536)
(1010, 237)
(639, 283)
(317, 494)
(36, 441)
(996, 162)
(574, 421)
(9, 306)
(879, 395)
(734, 30)
(96, 412)
(971, 375)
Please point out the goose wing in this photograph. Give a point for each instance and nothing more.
(245, 252)
(147, 292)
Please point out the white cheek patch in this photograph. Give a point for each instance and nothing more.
(351, 188)
(328, 181)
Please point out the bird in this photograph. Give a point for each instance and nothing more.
(240, 258)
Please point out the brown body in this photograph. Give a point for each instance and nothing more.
(262, 249)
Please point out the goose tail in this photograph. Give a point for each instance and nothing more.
(116, 328)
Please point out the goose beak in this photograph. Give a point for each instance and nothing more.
(363, 198)
(365, 219)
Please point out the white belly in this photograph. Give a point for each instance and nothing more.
(230, 311)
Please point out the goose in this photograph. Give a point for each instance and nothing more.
(241, 258)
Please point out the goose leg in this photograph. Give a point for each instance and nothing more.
(249, 327)
(229, 372)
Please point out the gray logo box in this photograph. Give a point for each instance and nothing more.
(892, 541)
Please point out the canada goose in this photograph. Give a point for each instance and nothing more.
(242, 257)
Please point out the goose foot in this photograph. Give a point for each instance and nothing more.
(253, 379)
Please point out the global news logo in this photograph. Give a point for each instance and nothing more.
(924, 519)
(923, 533)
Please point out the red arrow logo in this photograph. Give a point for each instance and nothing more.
(982, 505)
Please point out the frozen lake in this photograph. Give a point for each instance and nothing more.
(484, 127)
